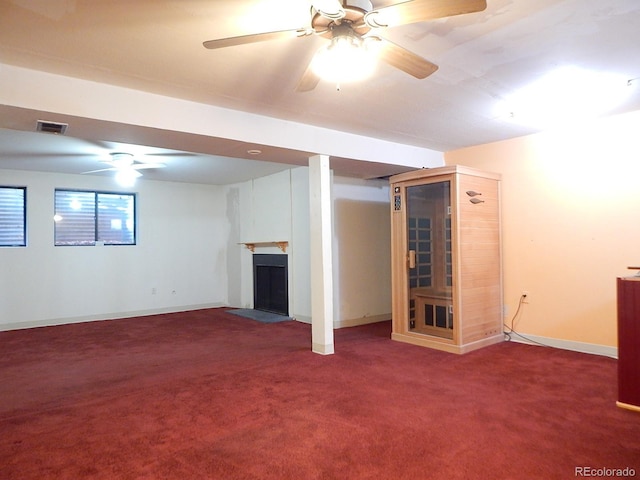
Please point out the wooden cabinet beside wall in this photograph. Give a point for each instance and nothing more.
(446, 258)
(628, 303)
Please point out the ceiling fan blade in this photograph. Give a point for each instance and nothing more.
(143, 166)
(170, 154)
(100, 170)
(404, 60)
(309, 80)
(413, 11)
(253, 38)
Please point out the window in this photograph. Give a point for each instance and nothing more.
(84, 218)
(13, 216)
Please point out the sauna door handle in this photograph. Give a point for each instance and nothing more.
(412, 259)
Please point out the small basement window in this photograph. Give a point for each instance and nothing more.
(13, 216)
(87, 217)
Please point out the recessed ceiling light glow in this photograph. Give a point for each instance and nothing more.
(254, 151)
(565, 96)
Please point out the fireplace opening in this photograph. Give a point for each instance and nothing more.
(270, 283)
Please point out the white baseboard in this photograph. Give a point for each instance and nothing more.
(581, 347)
(354, 322)
(322, 349)
(109, 316)
(302, 318)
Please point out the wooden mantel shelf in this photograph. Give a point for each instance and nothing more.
(282, 245)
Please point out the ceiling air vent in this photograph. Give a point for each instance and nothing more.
(51, 127)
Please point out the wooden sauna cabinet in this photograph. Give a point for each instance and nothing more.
(628, 290)
(446, 258)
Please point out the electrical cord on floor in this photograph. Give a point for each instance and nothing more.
(511, 330)
(508, 333)
(513, 319)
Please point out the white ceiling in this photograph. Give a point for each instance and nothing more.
(156, 46)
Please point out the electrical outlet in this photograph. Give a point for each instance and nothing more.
(526, 296)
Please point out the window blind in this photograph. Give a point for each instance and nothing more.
(116, 224)
(75, 218)
(13, 224)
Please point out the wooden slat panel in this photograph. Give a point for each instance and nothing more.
(480, 262)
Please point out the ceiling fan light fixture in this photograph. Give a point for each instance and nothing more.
(126, 177)
(121, 160)
(346, 59)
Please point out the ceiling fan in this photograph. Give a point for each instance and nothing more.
(355, 24)
(126, 167)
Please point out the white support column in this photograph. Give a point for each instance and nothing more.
(321, 255)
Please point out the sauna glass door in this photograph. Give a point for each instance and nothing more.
(430, 268)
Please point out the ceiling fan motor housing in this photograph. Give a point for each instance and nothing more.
(354, 10)
(364, 5)
(120, 159)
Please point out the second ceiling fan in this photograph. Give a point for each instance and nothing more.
(126, 167)
(352, 27)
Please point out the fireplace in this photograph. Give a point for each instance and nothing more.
(270, 283)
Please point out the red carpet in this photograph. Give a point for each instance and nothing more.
(210, 395)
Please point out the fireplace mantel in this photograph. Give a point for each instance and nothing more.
(282, 245)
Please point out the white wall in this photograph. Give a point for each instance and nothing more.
(189, 242)
(277, 208)
(273, 209)
(299, 285)
(183, 233)
(570, 207)
(362, 251)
